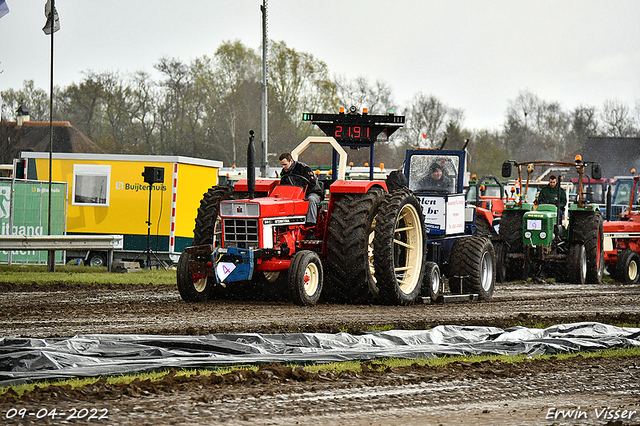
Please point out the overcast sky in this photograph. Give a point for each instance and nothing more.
(474, 55)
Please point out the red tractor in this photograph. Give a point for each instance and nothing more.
(622, 242)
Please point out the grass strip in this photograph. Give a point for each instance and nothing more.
(337, 367)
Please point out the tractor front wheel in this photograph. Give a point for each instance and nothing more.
(198, 290)
(305, 278)
(398, 253)
(577, 264)
(627, 267)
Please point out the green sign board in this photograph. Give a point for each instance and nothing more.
(30, 216)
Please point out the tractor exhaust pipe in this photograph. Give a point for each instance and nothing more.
(251, 170)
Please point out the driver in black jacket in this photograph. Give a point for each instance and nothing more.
(303, 176)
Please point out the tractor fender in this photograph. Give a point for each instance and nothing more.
(356, 186)
(485, 213)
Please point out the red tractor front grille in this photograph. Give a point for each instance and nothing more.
(241, 233)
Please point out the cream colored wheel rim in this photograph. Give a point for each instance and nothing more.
(408, 273)
(311, 279)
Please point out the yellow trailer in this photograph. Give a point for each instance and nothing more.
(107, 194)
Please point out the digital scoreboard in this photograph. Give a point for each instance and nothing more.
(356, 128)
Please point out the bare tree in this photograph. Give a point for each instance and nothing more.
(618, 120)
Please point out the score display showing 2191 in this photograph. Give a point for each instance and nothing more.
(362, 133)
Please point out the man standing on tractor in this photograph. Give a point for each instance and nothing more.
(299, 174)
(550, 194)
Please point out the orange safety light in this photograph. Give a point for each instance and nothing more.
(317, 171)
(578, 158)
(381, 166)
(341, 110)
(233, 167)
(366, 164)
(473, 176)
(330, 172)
(365, 110)
(633, 171)
(350, 163)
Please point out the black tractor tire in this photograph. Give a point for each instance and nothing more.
(501, 261)
(349, 263)
(305, 278)
(511, 235)
(577, 264)
(473, 259)
(627, 264)
(483, 227)
(399, 250)
(432, 282)
(208, 212)
(587, 229)
(189, 290)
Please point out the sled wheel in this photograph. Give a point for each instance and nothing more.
(398, 253)
(473, 259)
(305, 278)
(577, 264)
(627, 267)
(431, 285)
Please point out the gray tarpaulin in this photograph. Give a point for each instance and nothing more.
(25, 359)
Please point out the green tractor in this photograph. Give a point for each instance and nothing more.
(546, 241)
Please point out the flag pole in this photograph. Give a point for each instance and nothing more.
(51, 256)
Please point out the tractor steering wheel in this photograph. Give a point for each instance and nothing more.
(295, 180)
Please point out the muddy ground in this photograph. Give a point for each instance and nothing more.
(573, 391)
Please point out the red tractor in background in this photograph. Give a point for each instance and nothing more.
(622, 242)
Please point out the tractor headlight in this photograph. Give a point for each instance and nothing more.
(543, 235)
(527, 234)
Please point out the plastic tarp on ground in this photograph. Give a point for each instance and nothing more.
(27, 359)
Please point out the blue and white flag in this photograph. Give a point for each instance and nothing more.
(56, 21)
(4, 9)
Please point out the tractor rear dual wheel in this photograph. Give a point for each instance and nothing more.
(350, 276)
(472, 267)
(398, 248)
